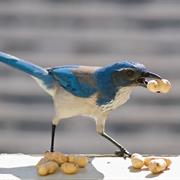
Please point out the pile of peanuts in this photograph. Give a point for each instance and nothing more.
(154, 163)
(159, 85)
(53, 161)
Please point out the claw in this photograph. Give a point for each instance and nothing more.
(123, 153)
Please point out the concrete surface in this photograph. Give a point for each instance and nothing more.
(20, 166)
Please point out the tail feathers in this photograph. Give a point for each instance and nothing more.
(27, 67)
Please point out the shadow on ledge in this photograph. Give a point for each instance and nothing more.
(29, 172)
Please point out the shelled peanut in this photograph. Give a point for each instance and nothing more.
(137, 161)
(81, 161)
(58, 157)
(154, 163)
(159, 85)
(157, 165)
(52, 161)
(147, 160)
(69, 168)
(49, 167)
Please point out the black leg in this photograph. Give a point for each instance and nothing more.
(52, 137)
(123, 152)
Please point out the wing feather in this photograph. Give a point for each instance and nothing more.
(73, 82)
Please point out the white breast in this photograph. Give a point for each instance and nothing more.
(68, 105)
(121, 97)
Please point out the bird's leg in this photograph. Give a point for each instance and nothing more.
(123, 152)
(100, 128)
(52, 137)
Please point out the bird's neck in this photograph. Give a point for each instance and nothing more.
(121, 97)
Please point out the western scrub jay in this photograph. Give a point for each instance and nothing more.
(86, 90)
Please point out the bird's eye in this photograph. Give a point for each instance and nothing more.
(130, 73)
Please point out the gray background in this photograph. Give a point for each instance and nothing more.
(90, 32)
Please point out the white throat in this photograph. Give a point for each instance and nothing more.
(121, 97)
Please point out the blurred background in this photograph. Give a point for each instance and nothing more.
(90, 32)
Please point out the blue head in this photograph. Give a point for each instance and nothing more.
(122, 74)
(129, 73)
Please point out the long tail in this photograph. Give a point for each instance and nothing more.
(27, 67)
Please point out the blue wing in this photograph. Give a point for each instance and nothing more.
(76, 81)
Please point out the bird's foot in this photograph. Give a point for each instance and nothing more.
(123, 153)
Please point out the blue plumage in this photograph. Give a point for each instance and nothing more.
(86, 90)
(68, 80)
(105, 84)
(27, 67)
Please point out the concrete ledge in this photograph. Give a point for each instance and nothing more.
(20, 166)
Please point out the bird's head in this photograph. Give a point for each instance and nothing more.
(131, 74)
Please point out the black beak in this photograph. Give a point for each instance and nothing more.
(151, 75)
(142, 80)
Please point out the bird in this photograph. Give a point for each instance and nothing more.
(91, 91)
